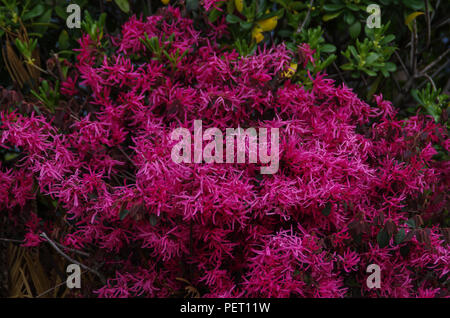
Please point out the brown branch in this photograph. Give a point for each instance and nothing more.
(427, 18)
(53, 244)
(401, 63)
(440, 57)
(54, 287)
(300, 28)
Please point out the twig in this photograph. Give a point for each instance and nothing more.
(126, 155)
(440, 57)
(435, 9)
(414, 46)
(427, 17)
(431, 81)
(60, 245)
(102, 278)
(443, 23)
(339, 73)
(300, 28)
(402, 63)
(54, 287)
(11, 240)
(72, 250)
(440, 69)
(58, 65)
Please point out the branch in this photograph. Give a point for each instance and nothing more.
(53, 244)
(427, 17)
(300, 28)
(440, 57)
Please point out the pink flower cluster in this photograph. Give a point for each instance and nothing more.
(347, 171)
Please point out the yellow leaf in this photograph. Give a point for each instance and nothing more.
(410, 18)
(239, 4)
(268, 24)
(257, 34)
(291, 70)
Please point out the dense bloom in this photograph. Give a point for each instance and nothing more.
(348, 170)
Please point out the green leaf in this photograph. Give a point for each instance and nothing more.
(333, 7)
(369, 72)
(414, 4)
(388, 38)
(390, 67)
(153, 220)
(246, 25)
(124, 5)
(60, 12)
(411, 223)
(192, 5)
(355, 29)
(123, 214)
(352, 7)
(349, 18)
(36, 11)
(44, 19)
(63, 40)
(331, 16)
(214, 15)
(353, 51)
(328, 48)
(231, 18)
(400, 236)
(383, 238)
(327, 209)
(372, 58)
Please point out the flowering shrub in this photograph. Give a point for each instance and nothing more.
(356, 186)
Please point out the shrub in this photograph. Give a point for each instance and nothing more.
(356, 185)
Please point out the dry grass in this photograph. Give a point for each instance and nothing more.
(29, 279)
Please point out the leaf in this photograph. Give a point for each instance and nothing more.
(124, 5)
(352, 7)
(353, 51)
(192, 5)
(231, 18)
(328, 48)
(400, 236)
(331, 16)
(214, 15)
(63, 40)
(246, 25)
(369, 72)
(372, 58)
(333, 7)
(349, 18)
(355, 29)
(390, 67)
(11, 156)
(44, 19)
(410, 18)
(327, 209)
(153, 219)
(123, 214)
(60, 12)
(36, 11)
(414, 4)
(411, 223)
(383, 238)
(388, 38)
